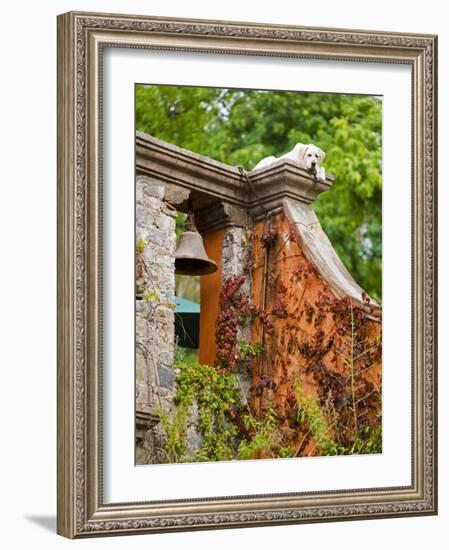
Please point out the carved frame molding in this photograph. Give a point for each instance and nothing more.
(81, 38)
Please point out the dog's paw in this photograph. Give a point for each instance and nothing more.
(321, 175)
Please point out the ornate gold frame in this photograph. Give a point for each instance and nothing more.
(81, 38)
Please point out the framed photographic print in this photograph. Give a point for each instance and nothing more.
(246, 276)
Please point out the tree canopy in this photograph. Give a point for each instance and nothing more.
(240, 127)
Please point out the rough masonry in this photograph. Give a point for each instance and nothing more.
(155, 291)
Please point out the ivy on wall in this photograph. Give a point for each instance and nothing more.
(343, 418)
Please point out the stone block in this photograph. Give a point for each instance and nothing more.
(166, 357)
(141, 368)
(141, 322)
(155, 236)
(176, 195)
(141, 394)
(146, 216)
(164, 315)
(149, 187)
(155, 191)
(166, 333)
(166, 377)
(165, 223)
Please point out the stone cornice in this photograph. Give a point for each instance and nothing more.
(281, 180)
(172, 164)
(146, 420)
(220, 215)
(268, 186)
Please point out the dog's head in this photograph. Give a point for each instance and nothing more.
(311, 156)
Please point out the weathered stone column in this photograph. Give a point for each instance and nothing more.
(155, 290)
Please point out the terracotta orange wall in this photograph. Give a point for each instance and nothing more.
(210, 286)
(282, 361)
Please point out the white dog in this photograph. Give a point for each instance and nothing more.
(308, 156)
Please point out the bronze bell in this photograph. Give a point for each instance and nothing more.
(191, 257)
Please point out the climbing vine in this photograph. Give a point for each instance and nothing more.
(355, 401)
(206, 402)
(314, 419)
(236, 311)
(314, 386)
(347, 404)
(264, 439)
(333, 347)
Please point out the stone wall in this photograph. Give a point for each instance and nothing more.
(155, 290)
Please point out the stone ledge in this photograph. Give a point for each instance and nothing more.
(146, 420)
(281, 180)
(220, 215)
(174, 165)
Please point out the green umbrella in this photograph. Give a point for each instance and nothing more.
(187, 323)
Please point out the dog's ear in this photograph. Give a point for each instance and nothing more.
(322, 154)
(301, 151)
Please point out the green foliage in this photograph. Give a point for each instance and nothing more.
(151, 296)
(175, 427)
(188, 287)
(140, 245)
(368, 440)
(177, 114)
(179, 354)
(185, 355)
(208, 399)
(180, 223)
(310, 412)
(266, 439)
(247, 350)
(243, 126)
(215, 395)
